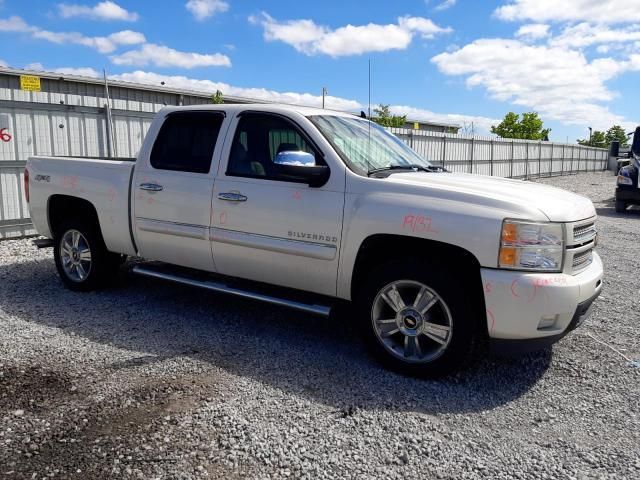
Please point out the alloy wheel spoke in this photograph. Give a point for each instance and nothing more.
(388, 333)
(85, 255)
(81, 271)
(438, 333)
(75, 238)
(393, 299)
(429, 305)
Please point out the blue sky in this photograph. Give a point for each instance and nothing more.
(576, 62)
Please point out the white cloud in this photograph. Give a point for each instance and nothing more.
(311, 39)
(80, 71)
(446, 4)
(3, 63)
(203, 9)
(559, 83)
(178, 81)
(106, 10)
(602, 11)
(533, 31)
(585, 34)
(161, 56)
(102, 44)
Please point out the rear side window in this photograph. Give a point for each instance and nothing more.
(186, 142)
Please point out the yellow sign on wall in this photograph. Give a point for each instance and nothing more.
(30, 83)
(416, 126)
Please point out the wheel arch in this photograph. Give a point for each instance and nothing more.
(389, 247)
(60, 206)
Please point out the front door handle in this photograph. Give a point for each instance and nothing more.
(151, 187)
(232, 197)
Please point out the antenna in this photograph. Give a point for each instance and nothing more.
(369, 113)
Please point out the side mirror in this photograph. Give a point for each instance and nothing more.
(300, 167)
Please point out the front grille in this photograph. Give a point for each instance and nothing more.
(584, 233)
(582, 260)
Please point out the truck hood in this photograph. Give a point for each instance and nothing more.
(556, 204)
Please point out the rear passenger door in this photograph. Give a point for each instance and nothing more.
(172, 190)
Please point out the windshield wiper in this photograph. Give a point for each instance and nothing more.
(408, 168)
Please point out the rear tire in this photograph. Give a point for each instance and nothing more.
(418, 319)
(82, 259)
(621, 206)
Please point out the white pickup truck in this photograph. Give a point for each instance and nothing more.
(307, 208)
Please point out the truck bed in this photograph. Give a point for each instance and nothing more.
(103, 182)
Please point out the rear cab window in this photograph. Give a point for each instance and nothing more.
(186, 142)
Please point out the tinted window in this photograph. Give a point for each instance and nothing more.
(186, 142)
(257, 141)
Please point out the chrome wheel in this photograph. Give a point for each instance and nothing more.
(75, 255)
(411, 321)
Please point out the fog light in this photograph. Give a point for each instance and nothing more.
(548, 322)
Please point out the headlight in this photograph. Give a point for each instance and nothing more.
(624, 178)
(531, 246)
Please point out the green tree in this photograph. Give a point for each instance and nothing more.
(385, 118)
(598, 139)
(217, 97)
(529, 127)
(617, 133)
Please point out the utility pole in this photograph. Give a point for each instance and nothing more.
(590, 135)
(324, 94)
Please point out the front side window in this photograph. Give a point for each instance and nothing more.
(186, 142)
(259, 138)
(364, 145)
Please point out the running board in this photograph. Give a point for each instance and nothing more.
(43, 242)
(321, 310)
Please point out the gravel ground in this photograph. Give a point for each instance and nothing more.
(153, 380)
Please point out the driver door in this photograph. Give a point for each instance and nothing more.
(266, 227)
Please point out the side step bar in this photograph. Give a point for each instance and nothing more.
(321, 310)
(43, 242)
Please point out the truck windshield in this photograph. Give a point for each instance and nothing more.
(366, 146)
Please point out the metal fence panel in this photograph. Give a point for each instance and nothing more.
(68, 118)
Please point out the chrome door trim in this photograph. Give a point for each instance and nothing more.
(273, 244)
(232, 197)
(171, 228)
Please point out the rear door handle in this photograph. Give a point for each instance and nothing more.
(232, 197)
(151, 187)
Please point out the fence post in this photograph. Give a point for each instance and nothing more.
(562, 162)
(491, 158)
(511, 161)
(540, 157)
(472, 152)
(444, 150)
(573, 155)
(551, 163)
(526, 162)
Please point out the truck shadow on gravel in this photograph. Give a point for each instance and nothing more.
(318, 359)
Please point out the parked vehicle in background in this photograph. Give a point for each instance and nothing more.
(628, 189)
(307, 208)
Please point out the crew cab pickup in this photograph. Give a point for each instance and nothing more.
(309, 208)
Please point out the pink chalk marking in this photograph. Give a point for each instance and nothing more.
(70, 182)
(4, 135)
(297, 195)
(488, 288)
(151, 201)
(513, 289)
(493, 320)
(111, 194)
(223, 218)
(418, 224)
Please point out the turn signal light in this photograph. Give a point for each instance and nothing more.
(508, 256)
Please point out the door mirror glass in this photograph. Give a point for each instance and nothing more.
(297, 159)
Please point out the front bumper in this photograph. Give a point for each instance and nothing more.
(628, 194)
(537, 308)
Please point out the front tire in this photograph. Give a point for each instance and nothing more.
(418, 320)
(82, 259)
(621, 206)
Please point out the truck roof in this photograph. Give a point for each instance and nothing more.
(262, 107)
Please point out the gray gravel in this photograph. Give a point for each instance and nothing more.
(152, 380)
